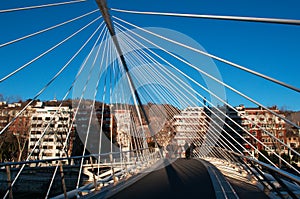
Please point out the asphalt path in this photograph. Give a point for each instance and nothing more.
(246, 190)
(181, 179)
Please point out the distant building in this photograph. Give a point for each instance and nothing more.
(107, 121)
(190, 127)
(293, 138)
(252, 118)
(4, 117)
(123, 122)
(166, 134)
(50, 126)
(293, 133)
(232, 133)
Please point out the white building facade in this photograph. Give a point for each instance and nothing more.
(50, 126)
(123, 120)
(190, 127)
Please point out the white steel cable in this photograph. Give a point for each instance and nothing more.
(148, 63)
(47, 51)
(202, 72)
(76, 110)
(159, 78)
(158, 92)
(142, 61)
(220, 17)
(255, 139)
(215, 57)
(261, 128)
(46, 29)
(130, 133)
(242, 137)
(43, 89)
(41, 6)
(90, 118)
(110, 85)
(134, 97)
(113, 118)
(153, 69)
(101, 121)
(100, 130)
(132, 60)
(157, 73)
(261, 142)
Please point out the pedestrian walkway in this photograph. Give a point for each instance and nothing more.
(183, 179)
(180, 179)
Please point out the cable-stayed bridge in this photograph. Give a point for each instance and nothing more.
(146, 111)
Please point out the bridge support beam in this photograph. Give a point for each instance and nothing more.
(106, 16)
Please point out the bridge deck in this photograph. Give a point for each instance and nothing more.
(245, 190)
(176, 180)
(181, 179)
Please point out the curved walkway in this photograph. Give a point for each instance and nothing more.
(182, 179)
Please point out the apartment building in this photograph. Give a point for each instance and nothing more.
(50, 126)
(260, 123)
(190, 127)
(123, 122)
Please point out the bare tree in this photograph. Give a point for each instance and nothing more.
(20, 129)
(8, 150)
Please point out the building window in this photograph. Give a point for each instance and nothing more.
(48, 154)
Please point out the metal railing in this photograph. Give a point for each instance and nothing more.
(120, 165)
(273, 181)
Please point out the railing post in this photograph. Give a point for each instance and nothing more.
(266, 180)
(63, 179)
(283, 185)
(253, 173)
(9, 181)
(94, 178)
(112, 168)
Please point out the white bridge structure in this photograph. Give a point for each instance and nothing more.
(151, 74)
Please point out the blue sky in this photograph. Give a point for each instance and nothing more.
(271, 49)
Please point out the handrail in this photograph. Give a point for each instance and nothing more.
(268, 166)
(279, 171)
(67, 158)
(91, 186)
(277, 174)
